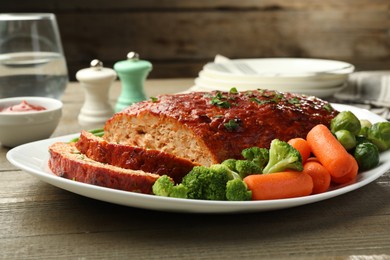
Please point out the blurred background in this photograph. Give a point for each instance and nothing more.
(180, 36)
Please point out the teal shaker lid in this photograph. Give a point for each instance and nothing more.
(133, 63)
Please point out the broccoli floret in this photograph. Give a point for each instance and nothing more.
(242, 167)
(256, 159)
(283, 156)
(223, 169)
(259, 156)
(206, 183)
(215, 185)
(179, 191)
(164, 186)
(193, 182)
(237, 190)
(230, 163)
(245, 168)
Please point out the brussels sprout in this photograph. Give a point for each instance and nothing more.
(365, 125)
(367, 156)
(346, 138)
(379, 134)
(345, 120)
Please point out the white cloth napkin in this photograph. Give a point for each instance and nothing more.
(372, 87)
(369, 90)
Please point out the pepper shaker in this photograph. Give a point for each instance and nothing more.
(132, 74)
(96, 82)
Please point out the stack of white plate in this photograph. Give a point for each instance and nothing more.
(317, 77)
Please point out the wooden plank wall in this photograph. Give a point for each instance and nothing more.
(180, 36)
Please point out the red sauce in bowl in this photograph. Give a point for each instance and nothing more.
(22, 107)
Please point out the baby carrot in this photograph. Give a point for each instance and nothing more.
(329, 151)
(302, 146)
(279, 185)
(350, 176)
(319, 174)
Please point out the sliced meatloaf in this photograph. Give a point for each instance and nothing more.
(209, 127)
(67, 161)
(131, 157)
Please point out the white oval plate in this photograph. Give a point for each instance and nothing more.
(201, 85)
(274, 68)
(282, 84)
(33, 158)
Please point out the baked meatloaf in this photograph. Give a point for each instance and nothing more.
(131, 157)
(68, 162)
(209, 127)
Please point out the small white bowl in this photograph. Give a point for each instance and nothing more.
(17, 128)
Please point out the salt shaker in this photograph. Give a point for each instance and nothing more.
(132, 74)
(96, 82)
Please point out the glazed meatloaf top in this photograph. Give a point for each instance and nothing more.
(209, 127)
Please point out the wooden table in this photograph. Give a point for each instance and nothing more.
(40, 221)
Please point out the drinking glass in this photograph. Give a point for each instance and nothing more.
(32, 62)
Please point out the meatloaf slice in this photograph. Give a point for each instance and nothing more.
(131, 157)
(67, 161)
(209, 127)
